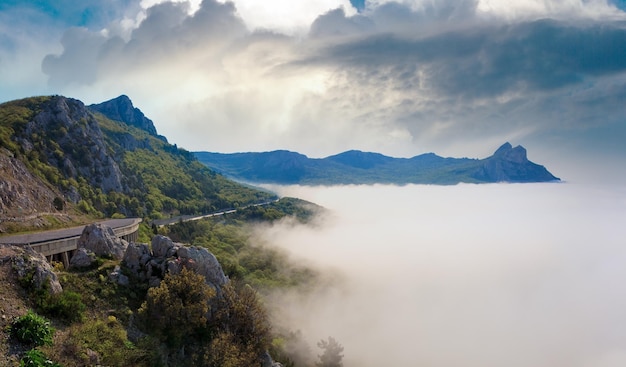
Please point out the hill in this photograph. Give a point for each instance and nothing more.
(507, 164)
(60, 159)
(61, 163)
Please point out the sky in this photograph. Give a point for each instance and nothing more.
(399, 77)
(487, 275)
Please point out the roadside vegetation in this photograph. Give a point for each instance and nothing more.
(180, 322)
(96, 321)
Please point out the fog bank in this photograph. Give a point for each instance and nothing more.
(467, 275)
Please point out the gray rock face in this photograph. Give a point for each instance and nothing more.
(170, 257)
(32, 267)
(83, 258)
(102, 241)
(116, 276)
(510, 164)
(21, 192)
(73, 130)
(122, 109)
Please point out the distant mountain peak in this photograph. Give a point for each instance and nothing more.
(121, 109)
(507, 152)
(507, 164)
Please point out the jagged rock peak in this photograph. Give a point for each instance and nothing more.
(507, 152)
(122, 109)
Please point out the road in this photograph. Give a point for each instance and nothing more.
(58, 234)
(188, 218)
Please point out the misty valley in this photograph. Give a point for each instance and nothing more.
(466, 275)
(496, 262)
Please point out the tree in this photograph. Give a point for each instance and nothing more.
(332, 353)
(58, 203)
(243, 327)
(177, 309)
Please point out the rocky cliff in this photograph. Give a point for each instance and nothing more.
(21, 193)
(65, 135)
(510, 164)
(122, 109)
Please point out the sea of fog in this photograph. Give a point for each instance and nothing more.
(494, 275)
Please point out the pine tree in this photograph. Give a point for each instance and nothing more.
(331, 357)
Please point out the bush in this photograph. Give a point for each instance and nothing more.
(66, 305)
(177, 309)
(33, 329)
(36, 358)
(108, 339)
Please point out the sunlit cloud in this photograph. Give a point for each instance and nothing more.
(398, 77)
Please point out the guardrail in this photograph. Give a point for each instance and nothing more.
(63, 246)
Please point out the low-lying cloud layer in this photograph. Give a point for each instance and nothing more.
(467, 275)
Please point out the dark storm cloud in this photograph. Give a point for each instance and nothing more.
(440, 76)
(490, 60)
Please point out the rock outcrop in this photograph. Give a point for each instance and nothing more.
(82, 259)
(32, 269)
(102, 241)
(65, 134)
(167, 257)
(510, 164)
(122, 109)
(21, 192)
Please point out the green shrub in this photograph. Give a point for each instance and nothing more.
(66, 305)
(108, 338)
(33, 329)
(36, 358)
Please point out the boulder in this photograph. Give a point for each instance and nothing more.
(136, 257)
(102, 241)
(32, 269)
(116, 276)
(204, 263)
(83, 258)
(162, 246)
(168, 257)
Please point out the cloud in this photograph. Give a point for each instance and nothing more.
(285, 16)
(467, 275)
(454, 77)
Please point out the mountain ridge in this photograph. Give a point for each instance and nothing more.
(507, 164)
(58, 156)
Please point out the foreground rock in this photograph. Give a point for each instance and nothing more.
(102, 241)
(167, 257)
(31, 267)
(82, 259)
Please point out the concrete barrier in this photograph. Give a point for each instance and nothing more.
(67, 241)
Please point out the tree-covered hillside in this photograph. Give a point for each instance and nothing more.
(93, 165)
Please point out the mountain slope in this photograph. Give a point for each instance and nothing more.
(102, 167)
(507, 164)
